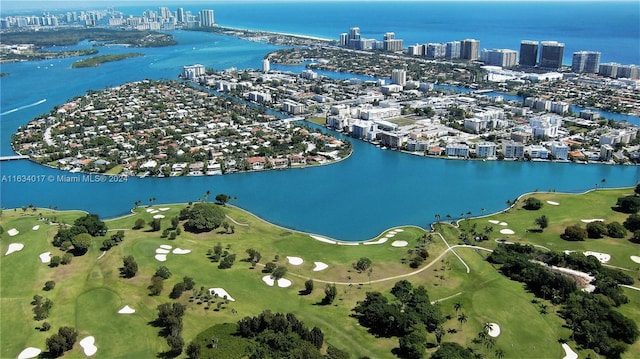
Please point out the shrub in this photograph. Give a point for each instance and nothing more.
(66, 258)
(574, 233)
(632, 222)
(532, 204)
(629, 204)
(140, 223)
(596, 229)
(49, 285)
(616, 230)
(55, 261)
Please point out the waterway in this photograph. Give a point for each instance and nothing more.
(352, 200)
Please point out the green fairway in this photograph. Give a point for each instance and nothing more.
(90, 291)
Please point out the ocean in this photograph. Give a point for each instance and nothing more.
(355, 199)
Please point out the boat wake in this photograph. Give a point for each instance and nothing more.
(23, 107)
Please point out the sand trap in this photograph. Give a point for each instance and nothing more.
(14, 247)
(399, 244)
(494, 331)
(322, 266)
(181, 251)
(29, 353)
(221, 293)
(268, 280)
(635, 259)
(390, 235)
(12, 232)
(602, 257)
(154, 211)
(150, 210)
(164, 209)
(507, 231)
(323, 239)
(504, 224)
(592, 220)
(162, 251)
(568, 352)
(165, 246)
(399, 230)
(35, 228)
(553, 203)
(379, 241)
(45, 257)
(126, 310)
(88, 345)
(494, 221)
(161, 257)
(284, 283)
(296, 261)
(348, 243)
(158, 216)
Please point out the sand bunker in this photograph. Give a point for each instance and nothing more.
(504, 224)
(553, 203)
(181, 251)
(14, 247)
(162, 251)
(348, 243)
(494, 221)
(379, 241)
(494, 330)
(164, 209)
(221, 293)
(154, 211)
(592, 220)
(150, 210)
(126, 310)
(507, 231)
(323, 239)
(399, 244)
(158, 216)
(399, 230)
(35, 228)
(635, 259)
(165, 246)
(282, 282)
(568, 352)
(390, 235)
(45, 257)
(12, 232)
(320, 266)
(602, 257)
(29, 353)
(88, 345)
(161, 257)
(296, 261)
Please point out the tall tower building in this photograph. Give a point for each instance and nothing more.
(399, 77)
(354, 38)
(266, 66)
(470, 49)
(206, 18)
(585, 62)
(528, 53)
(180, 15)
(452, 50)
(551, 55)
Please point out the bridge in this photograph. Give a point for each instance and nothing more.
(15, 157)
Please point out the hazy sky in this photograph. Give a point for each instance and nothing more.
(97, 4)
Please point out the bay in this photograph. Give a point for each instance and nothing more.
(352, 200)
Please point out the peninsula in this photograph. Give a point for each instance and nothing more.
(170, 128)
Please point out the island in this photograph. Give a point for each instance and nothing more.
(205, 278)
(97, 60)
(171, 128)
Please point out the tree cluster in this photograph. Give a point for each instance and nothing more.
(410, 307)
(113, 241)
(532, 204)
(62, 341)
(170, 319)
(129, 267)
(41, 307)
(277, 335)
(187, 284)
(202, 217)
(79, 235)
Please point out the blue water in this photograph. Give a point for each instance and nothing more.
(353, 200)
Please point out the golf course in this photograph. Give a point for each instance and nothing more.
(94, 292)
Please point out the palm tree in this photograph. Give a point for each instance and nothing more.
(136, 204)
(439, 333)
(489, 343)
(206, 195)
(437, 216)
(487, 327)
(457, 306)
(499, 353)
(462, 318)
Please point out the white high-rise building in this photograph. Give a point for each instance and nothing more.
(399, 77)
(206, 18)
(585, 62)
(266, 66)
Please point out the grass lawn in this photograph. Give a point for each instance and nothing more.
(317, 120)
(90, 290)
